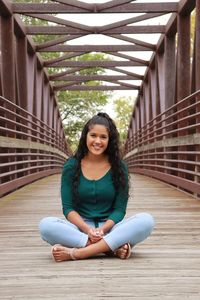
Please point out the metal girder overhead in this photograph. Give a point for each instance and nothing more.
(47, 8)
(129, 45)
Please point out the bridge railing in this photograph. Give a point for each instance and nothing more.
(168, 147)
(29, 148)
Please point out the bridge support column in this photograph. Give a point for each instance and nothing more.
(197, 78)
(170, 80)
(7, 57)
(183, 80)
(197, 46)
(183, 57)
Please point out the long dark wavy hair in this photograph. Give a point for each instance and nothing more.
(112, 150)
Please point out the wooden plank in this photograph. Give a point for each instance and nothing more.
(166, 266)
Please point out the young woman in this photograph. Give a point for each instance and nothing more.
(94, 191)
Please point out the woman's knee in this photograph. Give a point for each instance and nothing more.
(147, 220)
(44, 225)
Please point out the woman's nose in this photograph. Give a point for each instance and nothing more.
(97, 140)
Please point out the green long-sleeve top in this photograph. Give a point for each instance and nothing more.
(98, 199)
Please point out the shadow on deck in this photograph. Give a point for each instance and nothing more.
(165, 266)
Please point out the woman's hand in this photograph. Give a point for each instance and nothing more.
(95, 234)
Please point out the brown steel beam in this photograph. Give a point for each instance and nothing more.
(22, 71)
(21, 181)
(132, 40)
(186, 6)
(150, 7)
(60, 21)
(113, 3)
(131, 58)
(137, 87)
(60, 74)
(130, 21)
(138, 76)
(171, 27)
(57, 41)
(197, 47)
(73, 83)
(95, 88)
(183, 74)
(7, 57)
(48, 8)
(76, 3)
(160, 45)
(136, 29)
(94, 48)
(59, 30)
(5, 8)
(94, 63)
(79, 78)
(63, 57)
(19, 28)
(175, 180)
(53, 30)
(170, 70)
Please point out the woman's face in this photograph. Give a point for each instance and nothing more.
(97, 139)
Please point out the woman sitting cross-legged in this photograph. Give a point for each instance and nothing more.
(94, 191)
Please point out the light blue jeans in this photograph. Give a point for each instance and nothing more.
(131, 230)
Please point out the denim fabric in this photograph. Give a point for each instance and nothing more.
(131, 230)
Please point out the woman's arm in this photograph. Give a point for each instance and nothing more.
(94, 234)
(106, 226)
(77, 220)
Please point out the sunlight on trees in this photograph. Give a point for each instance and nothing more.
(123, 108)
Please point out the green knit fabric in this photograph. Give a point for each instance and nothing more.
(98, 199)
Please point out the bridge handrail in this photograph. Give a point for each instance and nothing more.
(164, 119)
(30, 148)
(61, 144)
(168, 146)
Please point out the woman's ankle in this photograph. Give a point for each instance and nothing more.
(79, 253)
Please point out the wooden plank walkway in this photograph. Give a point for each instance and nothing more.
(165, 266)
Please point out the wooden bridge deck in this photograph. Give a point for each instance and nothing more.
(165, 266)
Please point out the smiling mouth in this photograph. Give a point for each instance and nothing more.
(97, 147)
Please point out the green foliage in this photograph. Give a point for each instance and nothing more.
(123, 108)
(192, 29)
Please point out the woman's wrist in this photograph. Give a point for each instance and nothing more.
(86, 229)
(107, 226)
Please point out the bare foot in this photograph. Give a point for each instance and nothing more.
(123, 252)
(61, 253)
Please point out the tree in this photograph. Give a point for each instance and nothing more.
(123, 108)
(192, 35)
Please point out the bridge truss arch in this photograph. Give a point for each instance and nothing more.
(163, 138)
